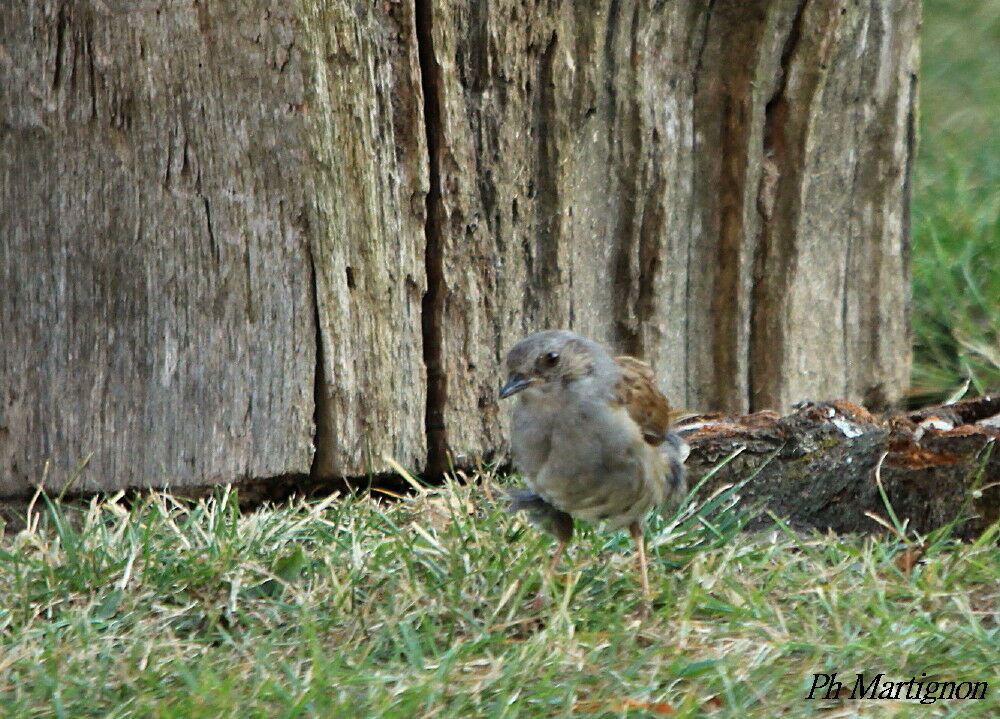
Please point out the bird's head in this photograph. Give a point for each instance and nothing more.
(547, 361)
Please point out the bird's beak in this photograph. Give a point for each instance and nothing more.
(515, 383)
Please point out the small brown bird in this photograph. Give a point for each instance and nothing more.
(590, 436)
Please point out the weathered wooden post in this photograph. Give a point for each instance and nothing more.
(253, 240)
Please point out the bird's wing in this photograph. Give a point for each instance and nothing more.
(636, 391)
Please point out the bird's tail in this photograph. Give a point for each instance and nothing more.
(675, 450)
(525, 500)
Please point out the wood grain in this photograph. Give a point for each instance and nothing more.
(250, 240)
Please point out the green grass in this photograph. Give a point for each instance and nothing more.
(421, 607)
(956, 205)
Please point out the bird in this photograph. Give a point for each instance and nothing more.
(590, 435)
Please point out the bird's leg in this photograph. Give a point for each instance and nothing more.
(562, 527)
(636, 531)
(556, 556)
(538, 603)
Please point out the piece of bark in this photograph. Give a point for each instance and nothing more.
(817, 466)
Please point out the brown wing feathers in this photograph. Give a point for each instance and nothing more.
(646, 405)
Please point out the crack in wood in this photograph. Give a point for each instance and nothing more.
(91, 71)
(324, 431)
(911, 154)
(432, 304)
(545, 271)
(774, 256)
(727, 283)
(689, 260)
(216, 252)
(61, 22)
(632, 242)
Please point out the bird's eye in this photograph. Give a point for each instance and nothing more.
(551, 359)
